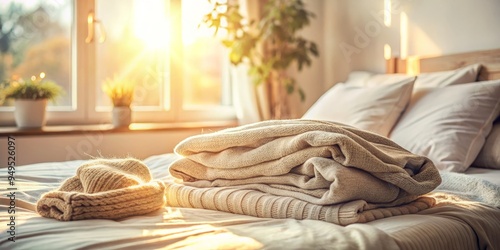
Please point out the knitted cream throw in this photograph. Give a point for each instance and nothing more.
(301, 167)
(104, 189)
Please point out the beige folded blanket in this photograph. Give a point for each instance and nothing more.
(104, 189)
(318, 162)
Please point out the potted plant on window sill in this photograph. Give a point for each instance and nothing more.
(121, 93)
(30, 99)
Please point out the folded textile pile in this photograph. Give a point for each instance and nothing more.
(104, 189)
(301, 169)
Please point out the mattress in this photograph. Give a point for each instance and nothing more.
(457, 224)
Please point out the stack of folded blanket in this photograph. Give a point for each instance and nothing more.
(301, 169)
(104, 189)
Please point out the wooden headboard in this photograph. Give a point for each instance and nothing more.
(489, 59)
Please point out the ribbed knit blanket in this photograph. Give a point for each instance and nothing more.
(301, 169)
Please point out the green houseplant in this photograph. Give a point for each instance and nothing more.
(270, 45)
(121, 93)
(30, 99)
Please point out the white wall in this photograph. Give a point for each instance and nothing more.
(434, 27)
(311, 78)
(32, 149)
(452, 26)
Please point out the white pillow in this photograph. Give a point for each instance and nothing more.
(371, 108)
(386, 79)
(370, 79)
(465, 74)
(358, 78)
(449, 124)
(489, 156)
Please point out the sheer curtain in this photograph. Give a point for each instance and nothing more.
(251, 101)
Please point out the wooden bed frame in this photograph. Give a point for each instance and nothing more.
(489, 59)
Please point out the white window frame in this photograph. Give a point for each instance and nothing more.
(83, 78)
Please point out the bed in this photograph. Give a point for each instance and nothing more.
(464, 217)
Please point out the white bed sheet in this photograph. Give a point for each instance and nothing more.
(491, 175)
(173, 228)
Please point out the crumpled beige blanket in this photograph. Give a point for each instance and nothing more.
(316, 162)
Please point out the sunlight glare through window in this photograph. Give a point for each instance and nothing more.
(151, 24)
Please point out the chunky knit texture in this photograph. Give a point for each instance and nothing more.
(104, 189)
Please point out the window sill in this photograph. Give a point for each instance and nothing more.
(108, 128)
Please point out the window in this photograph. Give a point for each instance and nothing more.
(180, 71)
(36, 37)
